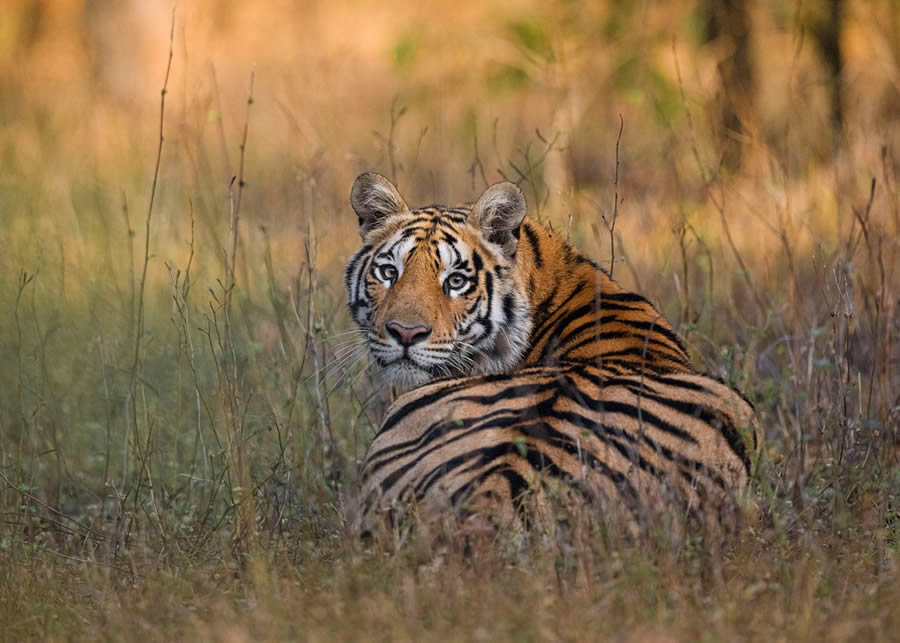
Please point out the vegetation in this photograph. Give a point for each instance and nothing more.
(181, 415)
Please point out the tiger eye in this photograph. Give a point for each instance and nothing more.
(456, 281)
(387, 273)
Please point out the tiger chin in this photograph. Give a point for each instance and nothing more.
(435, 290)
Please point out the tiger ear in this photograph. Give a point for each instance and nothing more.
(498, 213)
(374, 198)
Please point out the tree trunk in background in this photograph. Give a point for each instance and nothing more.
(828, 39)
(32, 17)
(729, 21)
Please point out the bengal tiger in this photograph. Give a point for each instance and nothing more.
(533, 376)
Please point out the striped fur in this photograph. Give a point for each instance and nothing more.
(557, 382)
(635, 446)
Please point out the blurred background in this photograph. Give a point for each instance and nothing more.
(176, 371)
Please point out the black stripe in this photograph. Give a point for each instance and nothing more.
(624, 296)
(547, 324)
(419, 402)
(605, 306)
(556, 327)
(533, 240)
(540, 312)
(476, 261)
(351, 266)
(648, 360)
(361, 282)
(660, 326)
(489, 285)
(474, 306)
(507, 308)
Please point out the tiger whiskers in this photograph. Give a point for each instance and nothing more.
(352, 380)
(344, 333)
(477, 351)
(344, 363)
(348, 348)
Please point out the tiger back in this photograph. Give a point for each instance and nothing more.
(636, 449)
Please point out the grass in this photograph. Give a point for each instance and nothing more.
(180, 415)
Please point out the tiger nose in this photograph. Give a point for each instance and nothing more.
(407, 335)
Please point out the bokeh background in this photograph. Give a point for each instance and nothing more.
(176, 385)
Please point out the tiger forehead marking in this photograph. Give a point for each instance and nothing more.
(434, 240)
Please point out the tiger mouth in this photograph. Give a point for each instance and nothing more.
(406, 374)
(407, 363)
(410, 367)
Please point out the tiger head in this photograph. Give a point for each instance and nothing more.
(435, 290)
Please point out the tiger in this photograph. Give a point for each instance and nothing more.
(530, 375)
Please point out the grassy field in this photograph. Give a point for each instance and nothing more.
(181, 415)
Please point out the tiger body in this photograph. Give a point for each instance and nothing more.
(552, 372)
(637, 446)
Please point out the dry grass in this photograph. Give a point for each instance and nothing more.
(180, 416)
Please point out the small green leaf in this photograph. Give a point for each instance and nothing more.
(521, 446)
(507, 77)
(405, 50)
(532, 37)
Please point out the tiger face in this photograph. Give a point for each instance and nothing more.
(434, 290)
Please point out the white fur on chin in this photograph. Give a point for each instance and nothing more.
(406, 375)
